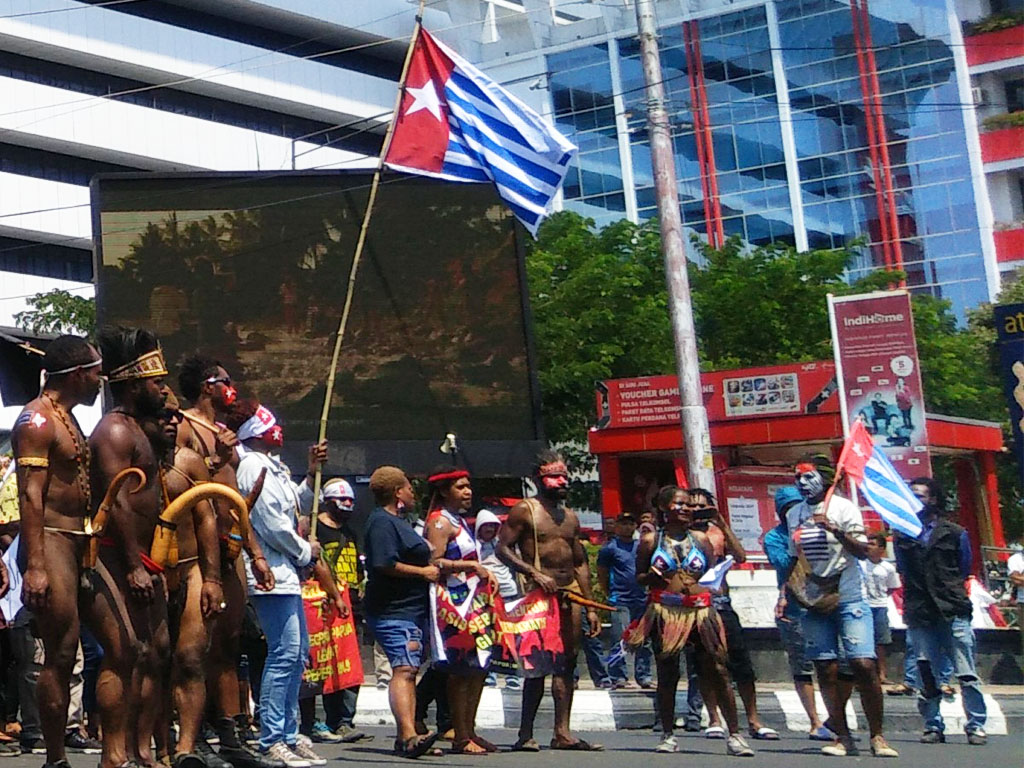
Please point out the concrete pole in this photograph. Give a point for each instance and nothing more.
(696, 434)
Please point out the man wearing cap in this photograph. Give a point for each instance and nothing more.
(826, 541)
(338, 549)
(616, 573)
(790, 622)
(274, 520)
(52, 463)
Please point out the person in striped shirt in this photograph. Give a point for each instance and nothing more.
(827, 540)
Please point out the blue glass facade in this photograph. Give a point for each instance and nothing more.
(877, 150)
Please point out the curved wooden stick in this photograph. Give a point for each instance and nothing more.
(576, 597)
(164, 536)
(99, 520)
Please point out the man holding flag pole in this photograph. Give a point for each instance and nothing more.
(827, 539)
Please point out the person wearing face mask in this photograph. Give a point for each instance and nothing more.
(826, 540)
(274, 518)
(937, 611)
(338, 548)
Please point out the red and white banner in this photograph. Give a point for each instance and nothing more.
(748, 393)
(334, 662)
(879, 375)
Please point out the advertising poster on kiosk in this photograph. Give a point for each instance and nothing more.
(1010, 337)
(879, 375)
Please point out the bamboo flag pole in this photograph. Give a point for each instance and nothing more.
(354, 270)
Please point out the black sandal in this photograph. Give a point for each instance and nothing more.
(415, 747)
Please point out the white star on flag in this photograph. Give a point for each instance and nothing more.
(425, 97)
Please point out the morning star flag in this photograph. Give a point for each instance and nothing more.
(879, 482)
(456, 123)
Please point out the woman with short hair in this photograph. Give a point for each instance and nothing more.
(399, 572)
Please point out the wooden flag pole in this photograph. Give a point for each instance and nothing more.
(354, 270)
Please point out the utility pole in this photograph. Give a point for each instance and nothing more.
(696, 434)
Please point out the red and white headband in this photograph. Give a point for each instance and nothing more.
(261, 421)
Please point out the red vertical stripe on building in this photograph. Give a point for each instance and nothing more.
(698, 132)
(709, 147)
(883, 142)
(869, 123)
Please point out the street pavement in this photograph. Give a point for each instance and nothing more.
(629, 749)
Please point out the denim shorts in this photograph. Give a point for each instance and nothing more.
(880, 617)
(395, 636)
(791, 632)
(850, 623)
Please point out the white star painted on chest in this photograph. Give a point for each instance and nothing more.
(425, 97)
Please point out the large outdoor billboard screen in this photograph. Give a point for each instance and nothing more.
(252, 269)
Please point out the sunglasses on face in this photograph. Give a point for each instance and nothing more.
(226, 381)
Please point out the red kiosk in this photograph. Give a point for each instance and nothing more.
(762, 420)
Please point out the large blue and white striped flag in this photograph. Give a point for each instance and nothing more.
(456, 123)
(879, 482)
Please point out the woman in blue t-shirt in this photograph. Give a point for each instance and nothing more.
(399, 573)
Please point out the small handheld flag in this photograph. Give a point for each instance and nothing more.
(456, 123)
(879, 482)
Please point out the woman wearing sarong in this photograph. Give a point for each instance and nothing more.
(462, 646)
(680, 616)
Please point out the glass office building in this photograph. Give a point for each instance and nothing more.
(821, 123)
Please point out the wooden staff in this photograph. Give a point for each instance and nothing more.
(200, 422)
(576, 597)
(354, 270)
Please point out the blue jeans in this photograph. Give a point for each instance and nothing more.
(284, 624)
(594, 653)
(954, 639)
(694, 701)
(942, 666)
(644, 657)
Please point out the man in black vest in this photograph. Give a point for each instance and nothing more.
(937, 611)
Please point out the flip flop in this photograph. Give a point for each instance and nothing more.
(480, 741)
(530, 745)
(416, 746)
(714, 732)
(459, 748)
(577, 746)
(764, 733)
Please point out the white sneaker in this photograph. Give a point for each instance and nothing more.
(667, 744)
(279, 751)
(737, 746)
(304, 749)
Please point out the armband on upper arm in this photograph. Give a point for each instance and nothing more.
(40, 462)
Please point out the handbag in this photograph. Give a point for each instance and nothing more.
(815, 593)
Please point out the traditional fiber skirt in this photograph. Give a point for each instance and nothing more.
(671, 628)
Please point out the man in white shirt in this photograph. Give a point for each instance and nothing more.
(1015, 570)
(827, 540)
(880, 580)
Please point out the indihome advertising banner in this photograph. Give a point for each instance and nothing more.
(879, 376)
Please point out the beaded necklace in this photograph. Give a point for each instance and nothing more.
(81, 449)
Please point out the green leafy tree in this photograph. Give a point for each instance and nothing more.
(58, 311)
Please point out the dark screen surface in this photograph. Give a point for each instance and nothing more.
(252, 269)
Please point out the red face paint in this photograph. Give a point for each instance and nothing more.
(229, 396)
(555, 481)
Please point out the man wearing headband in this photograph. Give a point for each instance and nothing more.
(274, 519)
(195, 595)
(129, 591)
(826, 541)
(208, 387)
(52, 463)
(547, 535)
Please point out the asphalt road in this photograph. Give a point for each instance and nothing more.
(626, 749)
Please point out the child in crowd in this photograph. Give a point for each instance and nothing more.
(880, 580)
(487, 527)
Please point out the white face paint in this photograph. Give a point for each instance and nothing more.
(811, 485)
